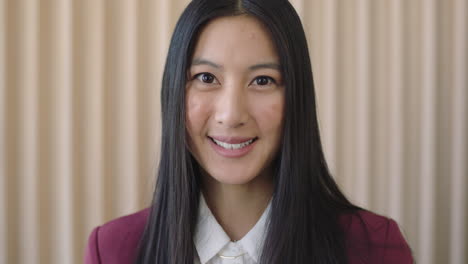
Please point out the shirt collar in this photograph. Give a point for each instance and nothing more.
(210, 237)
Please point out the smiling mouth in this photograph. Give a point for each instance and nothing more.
(230, 146)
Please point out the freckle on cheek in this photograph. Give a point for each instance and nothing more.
(193, 106)
(277, 107)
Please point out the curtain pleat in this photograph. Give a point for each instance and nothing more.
(362, 103)
(459, 143)
(121, 94)
(88, 118)
(328, 109)
(427, 134)
(395, 92)
(88, 111)
(80, 116)
(56, 133)
(3, 182)
(27, 59)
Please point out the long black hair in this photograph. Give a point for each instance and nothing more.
(303, 226)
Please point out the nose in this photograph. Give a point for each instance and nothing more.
(231, 108)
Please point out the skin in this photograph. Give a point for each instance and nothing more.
(235, 90)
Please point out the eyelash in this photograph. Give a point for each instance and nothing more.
(200, 75)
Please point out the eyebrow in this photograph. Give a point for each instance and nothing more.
(272, 65)
(205, 62)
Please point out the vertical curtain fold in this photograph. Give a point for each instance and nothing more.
(123, 110)
(88, 117)
(27, 56)
(361, 111)
(59, 74)
(328, 95)
(3, 182)
(427, 135)
(459, 144)
(346, 82)
(395, 92)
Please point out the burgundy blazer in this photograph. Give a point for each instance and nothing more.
(371, 238)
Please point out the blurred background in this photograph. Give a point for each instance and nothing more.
(80, 115)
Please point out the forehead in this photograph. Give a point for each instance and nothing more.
(235, 38)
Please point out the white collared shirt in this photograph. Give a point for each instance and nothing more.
(212, 242)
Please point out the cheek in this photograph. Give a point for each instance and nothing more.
(197, 113)
(270, 115)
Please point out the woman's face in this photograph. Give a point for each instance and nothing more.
(235, 100)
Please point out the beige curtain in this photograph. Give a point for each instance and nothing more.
(80, 121)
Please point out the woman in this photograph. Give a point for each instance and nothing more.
(242, 176)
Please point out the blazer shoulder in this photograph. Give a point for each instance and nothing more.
(373, 238)
(117, 240)
(131, 223)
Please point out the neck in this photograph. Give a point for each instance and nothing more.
(237, 208)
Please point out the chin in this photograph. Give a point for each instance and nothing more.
(238, 178)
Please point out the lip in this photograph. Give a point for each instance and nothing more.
(232, 153)
(232, 140)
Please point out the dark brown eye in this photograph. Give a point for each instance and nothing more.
(263, 80)
(206, 77)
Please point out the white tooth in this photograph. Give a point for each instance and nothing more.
(233, 146)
